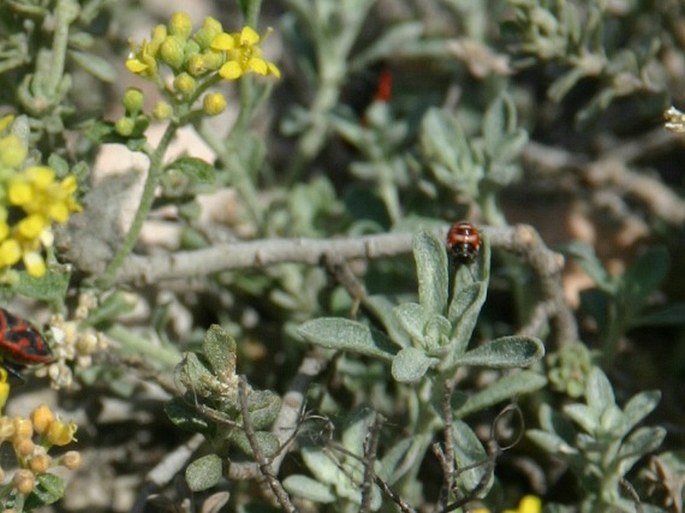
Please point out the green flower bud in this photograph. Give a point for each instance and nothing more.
(196, 65)
(213, 104)
(124, 126)
(184, 84)
(172, 51)
(210, 29)
(180, 25)
(162, 110)
(133, 100)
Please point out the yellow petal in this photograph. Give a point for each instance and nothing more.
(35, 265)
(20, 193)
(273, 69)
(10, 252)
(248, 36)
(258, 66)
(223, 41)
(135, 66)
(230, 70)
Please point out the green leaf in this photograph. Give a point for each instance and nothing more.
(345, 335)
(412, 317)
(263, 406)
(204, 473)
(467, 301)
(49, 488)
(197, 170)
(321, 466)
(431, 269)
(523, 382)
(267, 441)
(644, 277)
(384, 311)
(308, 488)
(638, 407)
(219, 349)
(95, 65)
(584, 416)
(598, 392)
(549, 442)
(469, 452)
(504, 352)
(185, 416)
(641, 442)
(393, 461)
(411, 364)
(585, 255)
(670, 315)
(50, 287)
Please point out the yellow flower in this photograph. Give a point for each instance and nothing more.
(142, 61)
(4, 388)
(243, 55)
(35, 264)
(528, 504)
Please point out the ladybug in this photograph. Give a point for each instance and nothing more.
(463, 242)
(21, 343)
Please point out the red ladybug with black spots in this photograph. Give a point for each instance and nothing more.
(463, 242)
(21, 343)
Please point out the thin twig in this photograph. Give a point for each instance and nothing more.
(521, 239)
(370, 454)
(264, 465)
(286, 424)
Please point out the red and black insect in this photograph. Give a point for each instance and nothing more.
(463, 242)
(21, 343)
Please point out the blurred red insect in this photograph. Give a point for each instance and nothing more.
(463, 241)
(21, 343)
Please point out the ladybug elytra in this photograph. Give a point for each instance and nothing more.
(21, 343)
(463, 241)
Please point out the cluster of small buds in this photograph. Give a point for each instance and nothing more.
(195, 61)
(73, 342)
(32, 455)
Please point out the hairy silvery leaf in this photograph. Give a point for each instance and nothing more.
(384, 311)
(598, 393)
(637, 408)
(506, 387)
(550, 442)
(193, 373)
(308, 488)
(504, 352)
(412, 317)
(346, 335)
(582, 415)
(267, 441)
(411, 364)
(263, 406)
(204, 473)
(219, 349)
(431, 270)
(468, 297)
(185, 416)
(469, 452)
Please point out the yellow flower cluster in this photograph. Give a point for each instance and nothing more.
(32, 455)
(31, 200)
(528, 504)
(197, 59)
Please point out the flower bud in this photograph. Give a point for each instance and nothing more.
(213, 104)
(124, 126)
(210, 29)
(24, 481)
(180, 25)
(23, 428)
(40, 463)
(133, 100)
(172, 51)
(24, 447)
(12, 151)
(41, 418)
(184, 84)
(162, 110)
(71, 460)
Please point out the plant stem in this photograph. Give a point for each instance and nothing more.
(153, 175)
(132, 343)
